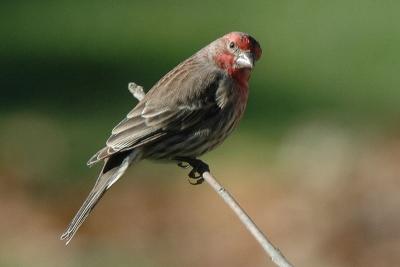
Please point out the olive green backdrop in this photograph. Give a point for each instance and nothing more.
(315, 160)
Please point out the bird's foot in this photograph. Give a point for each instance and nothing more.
(183, 165)
(198, 168)
(195, 178)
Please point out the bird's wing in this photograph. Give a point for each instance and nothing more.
(184, 97)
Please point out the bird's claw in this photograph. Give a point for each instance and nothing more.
(195, 181)
(198, 167)
(183, 165)
(194, 174)
(195, 177)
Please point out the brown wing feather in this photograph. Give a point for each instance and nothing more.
(175, 103)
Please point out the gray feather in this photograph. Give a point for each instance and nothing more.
(177, 102)
(103, 183)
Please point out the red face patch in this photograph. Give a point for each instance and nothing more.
(246, 42)
(242, 76)
(225, 61)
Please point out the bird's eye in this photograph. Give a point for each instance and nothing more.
(231, 45)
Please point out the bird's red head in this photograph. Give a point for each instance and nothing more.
(237, 55)
(245, 43)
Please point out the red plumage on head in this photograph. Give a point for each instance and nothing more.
(226, 59)
(245, 42)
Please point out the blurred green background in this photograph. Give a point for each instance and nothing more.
(315, 160)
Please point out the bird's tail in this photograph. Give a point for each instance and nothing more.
(113, 169)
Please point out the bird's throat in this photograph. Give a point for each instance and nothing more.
(241, 76)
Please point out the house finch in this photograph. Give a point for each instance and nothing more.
(191, 110)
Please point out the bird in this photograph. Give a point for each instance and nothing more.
(188, 112)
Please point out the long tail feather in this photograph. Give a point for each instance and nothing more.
(107, 178)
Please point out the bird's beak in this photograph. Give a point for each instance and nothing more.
(245, 60)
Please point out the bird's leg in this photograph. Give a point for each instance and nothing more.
(198, 168)
(136, 90)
